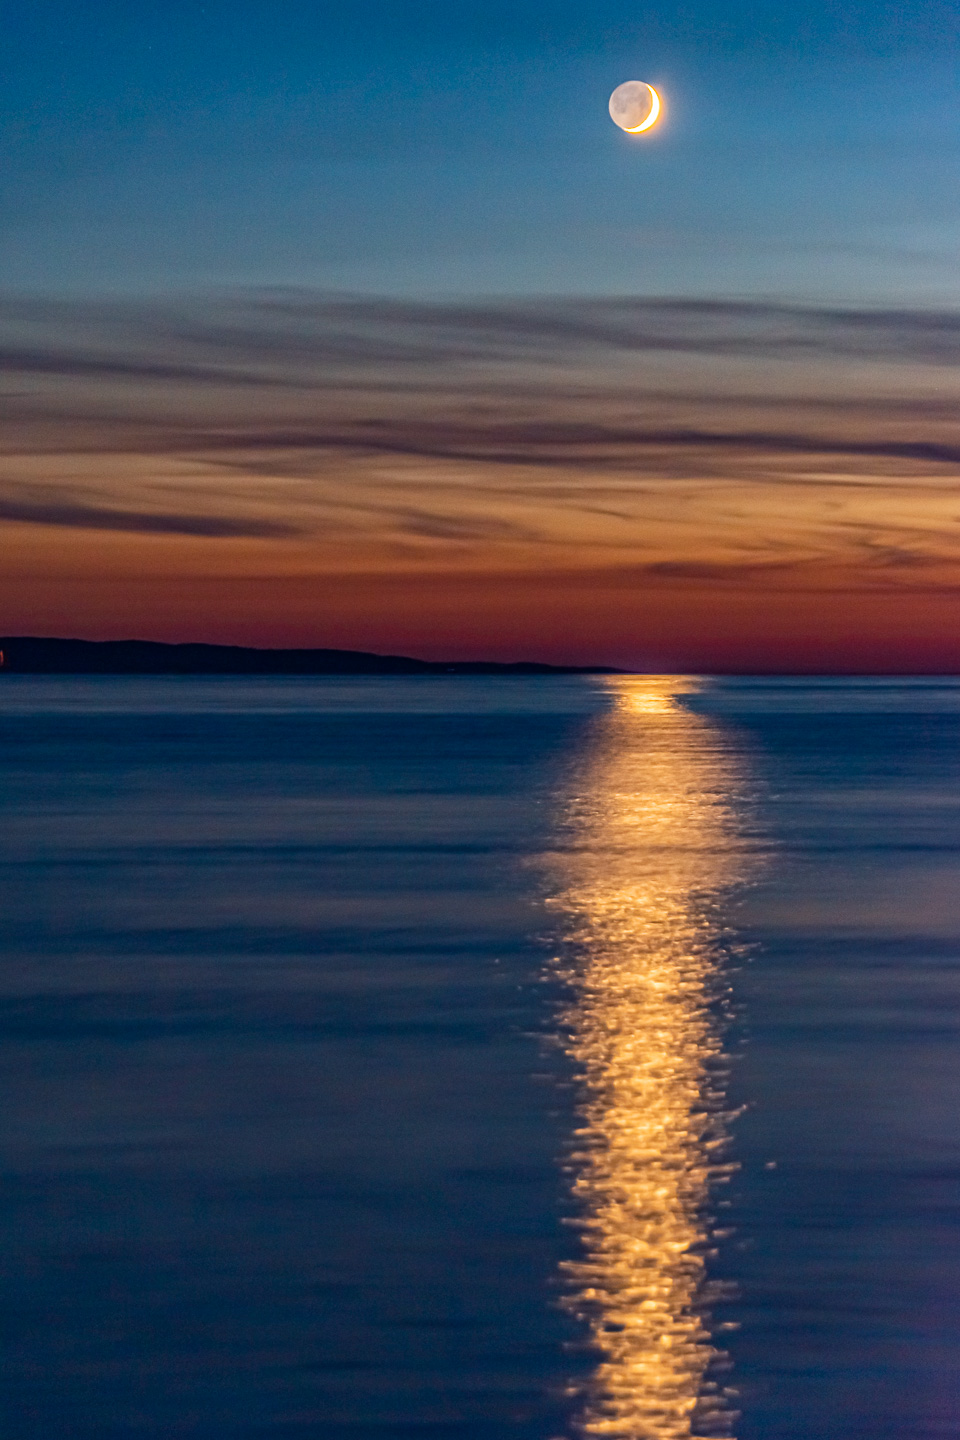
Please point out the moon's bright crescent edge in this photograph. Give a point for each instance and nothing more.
(651, 118)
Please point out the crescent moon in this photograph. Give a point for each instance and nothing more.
(651, 118)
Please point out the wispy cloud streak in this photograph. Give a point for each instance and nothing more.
(691, 439)
(103, 517)
(289, 336)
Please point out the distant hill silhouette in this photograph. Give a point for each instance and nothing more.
(29, 655)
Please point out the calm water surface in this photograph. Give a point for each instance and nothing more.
(451, 1058)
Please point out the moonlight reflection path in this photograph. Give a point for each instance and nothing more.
(653, 847)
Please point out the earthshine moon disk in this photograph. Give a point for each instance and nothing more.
(635, 106)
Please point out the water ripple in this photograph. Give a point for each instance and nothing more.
(655, 843)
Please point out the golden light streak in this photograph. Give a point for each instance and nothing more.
(651, 118)
(653, 847)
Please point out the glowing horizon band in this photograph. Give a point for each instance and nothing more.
(651, 118)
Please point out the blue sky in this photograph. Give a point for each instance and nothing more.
(810, 151)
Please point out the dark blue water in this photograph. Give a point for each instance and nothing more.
(308, 989)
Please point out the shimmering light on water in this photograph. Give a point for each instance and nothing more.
(278, 1155)
(655, 844)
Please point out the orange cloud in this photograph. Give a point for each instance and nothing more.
(678, 485)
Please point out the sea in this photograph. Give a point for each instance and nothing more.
(461, 1058)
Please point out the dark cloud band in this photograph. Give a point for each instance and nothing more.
(100, 517)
